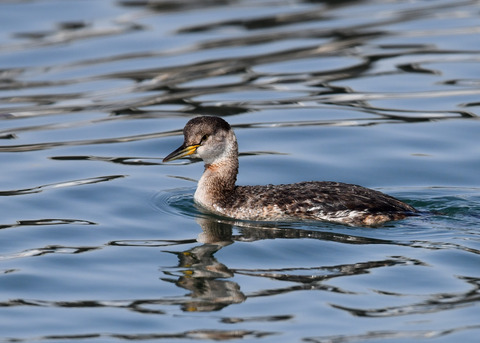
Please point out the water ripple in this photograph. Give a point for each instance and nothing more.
(72, 183)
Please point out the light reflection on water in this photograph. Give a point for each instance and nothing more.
(100, 241)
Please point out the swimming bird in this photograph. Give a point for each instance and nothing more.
(213, 140)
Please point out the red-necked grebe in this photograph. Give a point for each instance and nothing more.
(213, 140)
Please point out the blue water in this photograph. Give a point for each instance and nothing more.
(101, 242)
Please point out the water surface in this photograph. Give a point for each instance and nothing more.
(101, 242)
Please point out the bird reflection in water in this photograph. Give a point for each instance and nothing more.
(203, 275)
(208, 280)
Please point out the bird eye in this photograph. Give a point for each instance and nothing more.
(204, 138)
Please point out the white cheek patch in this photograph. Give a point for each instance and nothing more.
(217, 149)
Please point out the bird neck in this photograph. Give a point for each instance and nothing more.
(218, 179)
(221, 176)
